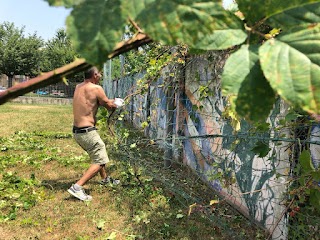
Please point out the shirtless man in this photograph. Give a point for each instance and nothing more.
(88, 96)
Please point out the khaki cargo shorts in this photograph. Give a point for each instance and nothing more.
(93, 145)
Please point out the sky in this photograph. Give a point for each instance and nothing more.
(36, 15)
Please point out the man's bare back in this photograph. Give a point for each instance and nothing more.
(88, 96)
(85, 104)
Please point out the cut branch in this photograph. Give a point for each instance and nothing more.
(135, 25)
(136, 41)
(78, 65)
(43, 80)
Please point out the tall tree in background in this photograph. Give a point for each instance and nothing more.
(19, 55)
(58, 52)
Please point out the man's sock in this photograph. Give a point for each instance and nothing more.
(77, 187)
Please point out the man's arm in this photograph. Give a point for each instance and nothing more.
(104, 100)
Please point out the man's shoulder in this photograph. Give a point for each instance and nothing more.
(94, 86)
(90, 86)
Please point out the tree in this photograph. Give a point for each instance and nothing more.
(58, 52)
(19, 54)
(284, 64)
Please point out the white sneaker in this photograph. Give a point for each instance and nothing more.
(80, 194)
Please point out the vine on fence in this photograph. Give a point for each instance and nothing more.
(302, 196)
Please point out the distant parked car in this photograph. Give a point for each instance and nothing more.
(57, 93)
(40, 92)
(2, 89)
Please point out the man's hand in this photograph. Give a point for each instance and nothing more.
(119, 102)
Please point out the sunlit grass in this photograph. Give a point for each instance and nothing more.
(29, 118)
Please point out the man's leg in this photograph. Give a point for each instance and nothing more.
(103, 172)
(90, 173)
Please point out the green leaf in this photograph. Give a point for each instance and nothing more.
(201, 24)
(315, 198)
(305, 161)
(242, 77)
(112, 236)
(95, 28)
(305, 39)
(261, 149)
(100, 224)
(179, 215)
(291, 116)
(213, 202)
(291, 65)
(307, 14)
(316, 175)
(259, 9)
(65, 3)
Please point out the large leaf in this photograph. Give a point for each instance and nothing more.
(259, 9)
(132, 8)
(199, 24)
(309, 13)
(242, 77)
(291, 64)
(95, 27)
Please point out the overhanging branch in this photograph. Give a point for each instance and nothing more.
(76, 66)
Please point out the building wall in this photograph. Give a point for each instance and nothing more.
(3, 80)
(42, 100)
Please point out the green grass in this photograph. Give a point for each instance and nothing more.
(39, 161)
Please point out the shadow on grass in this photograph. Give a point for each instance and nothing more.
(57, 184)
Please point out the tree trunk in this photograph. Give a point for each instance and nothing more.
(10, 80)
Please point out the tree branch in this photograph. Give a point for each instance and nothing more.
(76, 66)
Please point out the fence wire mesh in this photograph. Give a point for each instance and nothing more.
(257, 168)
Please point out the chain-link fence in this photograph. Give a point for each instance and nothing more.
(267, 171)
(58, 90)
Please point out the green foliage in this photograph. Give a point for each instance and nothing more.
(280, 39)
(309, 179)
(96, 34)
(243, 79)
(18, 193)
(296, 79)
(65, 3)
(255, 11)
(261, 149)
(305, 203)
(23, 149)
(58, 52)
(287, 61)
(19, 54)
(199, 24)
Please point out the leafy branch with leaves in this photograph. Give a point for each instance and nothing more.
(281, 62)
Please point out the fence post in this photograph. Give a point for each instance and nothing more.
(170, 122)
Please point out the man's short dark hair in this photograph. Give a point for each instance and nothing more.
(90, 72)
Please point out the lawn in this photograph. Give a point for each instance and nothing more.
(39, 161)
